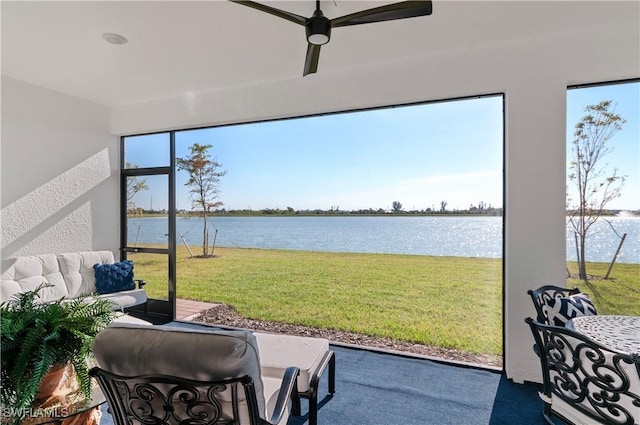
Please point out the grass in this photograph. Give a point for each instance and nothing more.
(620, 294)
(423, 299)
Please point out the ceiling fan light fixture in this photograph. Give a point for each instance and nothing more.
(318, 30)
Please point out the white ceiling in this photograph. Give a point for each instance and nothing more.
(181, 47)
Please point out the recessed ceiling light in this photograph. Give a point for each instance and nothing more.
(114, 38)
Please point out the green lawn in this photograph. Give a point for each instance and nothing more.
(620, 294)
(428, 300)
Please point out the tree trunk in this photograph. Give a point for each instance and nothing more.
(582, 266)
(205, 237)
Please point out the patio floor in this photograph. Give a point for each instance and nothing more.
(384, 388)
(186, 309)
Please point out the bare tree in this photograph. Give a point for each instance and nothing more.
(595, 185)
(396, 206)
(204, 179)
(134, 185)
(443, 206)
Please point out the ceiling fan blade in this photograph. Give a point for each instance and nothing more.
(390, 12)
(311, 62)
(273, 11)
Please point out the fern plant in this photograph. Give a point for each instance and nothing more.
(36, 336)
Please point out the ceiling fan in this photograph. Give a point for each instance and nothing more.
(318, 27)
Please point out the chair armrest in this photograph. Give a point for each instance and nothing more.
(288, 390)
(141, 283)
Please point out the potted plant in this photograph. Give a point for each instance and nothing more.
(52, 338)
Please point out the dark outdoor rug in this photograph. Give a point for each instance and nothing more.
(378, 388)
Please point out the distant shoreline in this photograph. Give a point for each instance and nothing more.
(627, 214)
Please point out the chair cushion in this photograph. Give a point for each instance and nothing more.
(277, 352)
(271, 392)
(114, 277)
(560, 310)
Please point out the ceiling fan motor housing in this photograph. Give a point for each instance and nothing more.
(318, 29)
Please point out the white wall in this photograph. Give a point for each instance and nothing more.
(59, 176)
(532, 73)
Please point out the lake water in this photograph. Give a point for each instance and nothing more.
(430, 235)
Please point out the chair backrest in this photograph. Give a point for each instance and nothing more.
(153, 374)
(585, 382)
(544, 294)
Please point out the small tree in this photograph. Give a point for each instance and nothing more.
(595, 186)
(204, 179)
(134, 185)
(443, 206)
(396, 206)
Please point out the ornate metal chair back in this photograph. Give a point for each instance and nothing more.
(585, 382)
(163, 399)
(544, 294)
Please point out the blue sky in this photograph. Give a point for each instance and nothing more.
(625, 154)
(418, 155)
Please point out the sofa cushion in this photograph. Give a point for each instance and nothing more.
(77, 270)
(122, 318)
(23, 274)
(114, 277)
(125, 299)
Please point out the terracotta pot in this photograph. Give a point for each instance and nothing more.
(90, 417)
(57, 386)
(59, 396)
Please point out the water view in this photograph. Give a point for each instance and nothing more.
(440, 236)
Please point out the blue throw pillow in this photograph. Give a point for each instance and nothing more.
(114, 277)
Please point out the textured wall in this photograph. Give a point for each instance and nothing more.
(59, 176)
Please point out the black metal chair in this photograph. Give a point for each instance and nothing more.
(159, 375)
(585, 383)
(544, 294)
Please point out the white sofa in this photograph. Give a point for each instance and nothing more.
(71, 275)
